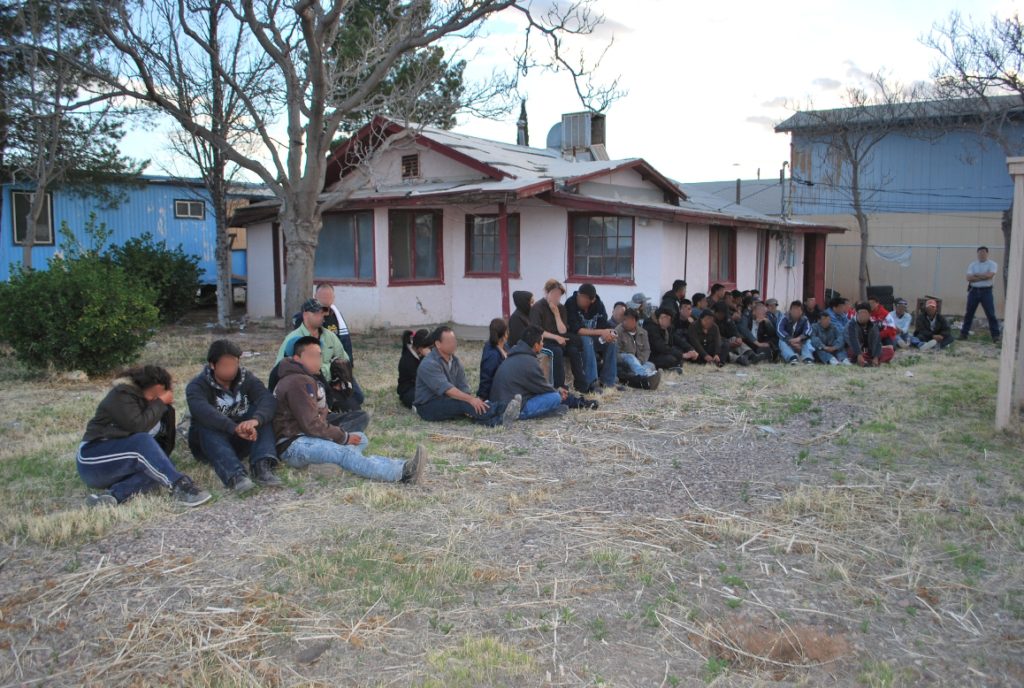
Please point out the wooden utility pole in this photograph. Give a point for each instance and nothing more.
(1011, 365)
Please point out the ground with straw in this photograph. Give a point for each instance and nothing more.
(772, 525)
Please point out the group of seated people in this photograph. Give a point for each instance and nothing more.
(310, 410)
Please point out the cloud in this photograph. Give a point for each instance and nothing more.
(827, 84)
(776, 102)
(855, 72)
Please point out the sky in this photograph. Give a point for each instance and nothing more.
(706, 82)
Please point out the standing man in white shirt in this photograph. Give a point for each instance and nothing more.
(979, 291)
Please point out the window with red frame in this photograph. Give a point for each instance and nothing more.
(723, 256)
(345, 250)
(483, 245)
(601, 246)
(415, 246)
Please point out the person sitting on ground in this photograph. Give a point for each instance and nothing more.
(812, 310)
(733, 348)
(706, 340)
(863, 341)
(672, 299)
(588, 320)
(742, 322)
(126, 447)
(643, 307)
(333, 320)
(232, 418)
(829, 341)
(773, 313)
(521, 377)
(795, 335)
(305, 437)
(668, 349)
(634, 364)
(697, 306)
(550, 315)
(900, 320)
(415, 345)
(715, 294)
(494, 353)
(879, 314)
(932, 329)
(755, 294)
(839, 311)
(313, 314)
(520, 318)
(682, 319)
(616, 318)
(765, 333)
(442, 390)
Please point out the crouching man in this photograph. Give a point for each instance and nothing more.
(305, 437)
(232, 414)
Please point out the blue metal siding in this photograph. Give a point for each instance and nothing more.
(149, 208)
(923, 173)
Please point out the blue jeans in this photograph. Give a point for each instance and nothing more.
(224, 451)
(909, 339)
(446, 408)
(635, 367)
(826, 357)
(126, 466)
(304, 451)
(981, 296)
(540, 405)
(806, 350)
(609, 369)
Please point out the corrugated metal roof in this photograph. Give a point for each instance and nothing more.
(762, 196)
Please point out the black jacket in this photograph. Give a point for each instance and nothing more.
(519, 374)
(924, 331)
(595, 317)
(408, 364)
(520, 318)
(125, 412)
(211, 406)
(663, 341)
(705, 343)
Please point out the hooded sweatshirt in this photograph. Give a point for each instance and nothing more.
(125, 412)
(301, 407)
(520, 318)
(520, 374)
(217, 408)
(408, 364)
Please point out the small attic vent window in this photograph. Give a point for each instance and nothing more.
(410, 166)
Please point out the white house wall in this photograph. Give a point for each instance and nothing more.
(260, 290)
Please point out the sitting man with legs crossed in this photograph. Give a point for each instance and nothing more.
(521, 377)
(304, 437)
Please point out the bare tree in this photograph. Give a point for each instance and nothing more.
(318, 87)
(982, 63)
(849, 137)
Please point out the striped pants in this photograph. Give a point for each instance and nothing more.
(126, 466)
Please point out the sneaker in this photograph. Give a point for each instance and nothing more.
(412, 472)
(188, 494)
(511, 412)
(833, 361)
(560, 411)
(102, 499)
(653, 381)
(929, 345)
(846, 361)
(963, 337)
(808, 361)
(792, 361)
(678, 370)
(902, 343)
(265, 475)
(240, 484)
(743, 361)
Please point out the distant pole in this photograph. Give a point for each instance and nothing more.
(782, 188)
(737, 192)
(1008, 403)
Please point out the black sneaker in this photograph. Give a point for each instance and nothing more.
(412, 472)
(264, 475)
(101, 499)
(187, 493)
(240, 484)
(653, 381)
(678, 370)
(743, 361)
(963, 337)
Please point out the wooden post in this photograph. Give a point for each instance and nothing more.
(1005, 408)
(503, 242)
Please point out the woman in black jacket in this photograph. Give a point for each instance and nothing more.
(415, 345)
(126, 446)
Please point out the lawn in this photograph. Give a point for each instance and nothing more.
(770, 525)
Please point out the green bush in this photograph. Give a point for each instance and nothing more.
(83, 313)
(172, 274)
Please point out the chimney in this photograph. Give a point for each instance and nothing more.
(522, 127)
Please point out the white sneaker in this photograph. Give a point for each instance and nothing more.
(929, 345)
(833, 362)
(846, 361)
(902, 343)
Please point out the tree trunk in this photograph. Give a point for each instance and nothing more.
(862, 224)
(300, 225)
(35, 212)
(215, 176)
(223, 252)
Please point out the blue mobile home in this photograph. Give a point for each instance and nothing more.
(175, 210)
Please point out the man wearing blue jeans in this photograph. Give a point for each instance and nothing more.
(521, 377)
(232, 414)
(442, 390)
(795, 335)
(304, 436)
(588, 319)
(979, 292)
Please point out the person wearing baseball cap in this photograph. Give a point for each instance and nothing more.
(900, 320)
(932, 328)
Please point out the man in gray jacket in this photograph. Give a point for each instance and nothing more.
(521, 377)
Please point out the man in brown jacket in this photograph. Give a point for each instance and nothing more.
(635, 365)
(305, 437)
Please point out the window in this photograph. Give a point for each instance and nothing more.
(345, 250)
(723, 256)
(601, 247)
(415, 246)
(22, 206)
(410, 166)
(189, 210)
(483, 245)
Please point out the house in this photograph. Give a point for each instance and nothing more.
(413, 220)
(935, 189)
(171, 209)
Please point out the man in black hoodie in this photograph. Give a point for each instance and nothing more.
(232, 415)
(520, 318)
(672, 299)
(521, 374)
(589, 320)
(668, 350)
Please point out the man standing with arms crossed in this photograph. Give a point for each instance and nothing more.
(979, 291)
